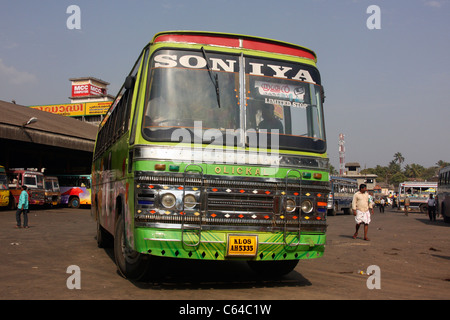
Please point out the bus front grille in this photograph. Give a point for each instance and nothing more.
(221, 202)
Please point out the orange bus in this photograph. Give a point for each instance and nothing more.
(34, 180)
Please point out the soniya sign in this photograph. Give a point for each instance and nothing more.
(86, 90)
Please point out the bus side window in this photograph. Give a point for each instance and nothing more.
(143, 60)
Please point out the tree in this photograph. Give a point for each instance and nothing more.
(441, 164)
(414, 170)
(397, 178)
(333, 170)
(430, 173)
(398, 158)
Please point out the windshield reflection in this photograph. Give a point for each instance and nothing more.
(182, 95)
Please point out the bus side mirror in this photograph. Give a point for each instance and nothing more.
(129, 82)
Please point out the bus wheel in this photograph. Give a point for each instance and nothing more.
(74, 202)
(423, 208)
(131, 264)
(272, 269)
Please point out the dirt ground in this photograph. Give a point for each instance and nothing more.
(412, 254)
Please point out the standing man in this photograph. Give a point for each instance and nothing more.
(22, 207)
(407, 203)
(382, 203)
(431, 208)
(362, 209)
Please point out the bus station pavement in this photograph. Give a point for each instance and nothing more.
(407, 257)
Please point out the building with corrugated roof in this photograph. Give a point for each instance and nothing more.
(31, 138)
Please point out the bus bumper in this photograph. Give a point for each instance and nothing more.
(216, 245)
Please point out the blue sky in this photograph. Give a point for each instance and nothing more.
(387, 90)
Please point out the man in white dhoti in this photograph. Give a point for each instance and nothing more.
(362, 209)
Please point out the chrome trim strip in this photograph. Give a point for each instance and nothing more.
(177, 240)
(300, 244)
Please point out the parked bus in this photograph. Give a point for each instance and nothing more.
(443, 194)
(52, 191)
(75, 189)
(341, 195)
(4, 189)
(34, 181)
(214, 149)
(417, 192)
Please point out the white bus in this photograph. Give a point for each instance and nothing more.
(417, 192)
(341, 195)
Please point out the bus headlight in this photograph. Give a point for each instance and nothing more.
(290, 205)
(189, 201)
(307, 206)
(168, 200)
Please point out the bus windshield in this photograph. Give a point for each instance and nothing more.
(33, 181)
(192, 89)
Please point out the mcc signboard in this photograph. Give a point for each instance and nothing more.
(87, 89)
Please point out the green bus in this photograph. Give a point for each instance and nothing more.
(214, 149)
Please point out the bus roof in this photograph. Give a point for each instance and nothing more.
(417, 184)
(237, 41)
(445, 169)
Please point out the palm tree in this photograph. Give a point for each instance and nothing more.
(398, 158)
(414, 170)
(441, 164)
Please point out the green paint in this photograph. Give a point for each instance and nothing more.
(234, 170)
(213, 246)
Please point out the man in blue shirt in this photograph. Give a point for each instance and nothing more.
(22, 207)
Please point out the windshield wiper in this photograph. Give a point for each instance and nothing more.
(214, 78)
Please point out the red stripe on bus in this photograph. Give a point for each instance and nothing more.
(217, 41)
(234, 42)
(271, 47)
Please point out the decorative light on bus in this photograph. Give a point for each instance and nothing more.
(290, 205)
(307, 206)
(168, 200)
(189, 201)
(160, 167)
(307, 175)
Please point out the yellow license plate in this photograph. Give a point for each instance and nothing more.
(242, 245)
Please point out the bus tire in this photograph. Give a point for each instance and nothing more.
(130, 264)
(104, 238)
(74, 202)
(423, 208)
(272, 269)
